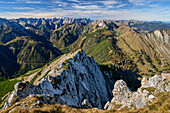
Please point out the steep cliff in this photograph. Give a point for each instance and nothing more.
(77, 82)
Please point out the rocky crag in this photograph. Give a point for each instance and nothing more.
(124, 97)
(76, 82)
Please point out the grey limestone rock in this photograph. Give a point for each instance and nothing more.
(81, 81)
(145, 94)
(122, 93)
(86, 103)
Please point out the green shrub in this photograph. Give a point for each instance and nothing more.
(153, 107)
(53, 60)
(67, 60)
(6, 86)
(38, 74)
(44, 75)
(66, 66)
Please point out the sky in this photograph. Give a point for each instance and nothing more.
(145, 10)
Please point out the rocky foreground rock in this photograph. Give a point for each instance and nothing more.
(124, 97)
(79, 82)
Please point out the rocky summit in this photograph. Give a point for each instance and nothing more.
(143, 96)
(80, 84)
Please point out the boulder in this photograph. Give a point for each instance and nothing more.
(86, 103)
(122, 93)
(143, 96)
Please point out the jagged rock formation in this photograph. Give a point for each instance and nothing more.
(144, 95)
(49, 24)
(162, 38)
(78, 82)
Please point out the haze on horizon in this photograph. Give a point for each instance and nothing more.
(146, 10)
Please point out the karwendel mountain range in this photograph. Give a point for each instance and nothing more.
(87, 65)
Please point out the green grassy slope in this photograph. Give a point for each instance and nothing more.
(6, 87)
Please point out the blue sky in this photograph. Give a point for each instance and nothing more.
(147, 10)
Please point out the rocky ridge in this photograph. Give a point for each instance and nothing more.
(78, 82)
(49, 24)
(124, 97)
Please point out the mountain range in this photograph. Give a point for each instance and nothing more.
(64, 58)
(33, 42)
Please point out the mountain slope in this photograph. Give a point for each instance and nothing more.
(66, 35)
(9, 30)
(149, 51)
(31, 54)
(145, 53)
(93, 34)
(7, 62)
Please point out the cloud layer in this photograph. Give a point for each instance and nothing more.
(94, 9)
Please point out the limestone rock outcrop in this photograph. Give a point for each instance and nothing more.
(78, 83)
(144, 95)
(162, 36)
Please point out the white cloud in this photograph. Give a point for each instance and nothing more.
(137, 14)
(22, 8)
(33, 2)
(140, 2)
(86, 7)
(7, 2)
(117, 6)
(120, 5)
(112, 4)
(74, 0)
(59, 3)
(91, 9)
(62, 13)
(108, 2)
